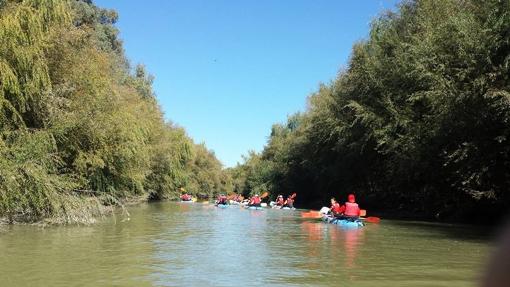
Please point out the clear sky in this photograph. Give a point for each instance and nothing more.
(227, 70)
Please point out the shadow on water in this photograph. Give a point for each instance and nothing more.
(474, 233)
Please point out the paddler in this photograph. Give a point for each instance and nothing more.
(290, 201)
(222, 199)
(352, 210)
(255, 201)
(336, 209)
(280, 201)
(186, 197)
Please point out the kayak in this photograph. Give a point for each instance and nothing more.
(255, 207)
(222, 205)
(345, 223)
(288, 208)
(283, 208)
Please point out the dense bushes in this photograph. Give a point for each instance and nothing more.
(417, 124)
(79, 128)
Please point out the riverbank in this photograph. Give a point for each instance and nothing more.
(80, 211)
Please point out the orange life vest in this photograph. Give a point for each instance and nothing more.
(351, 209)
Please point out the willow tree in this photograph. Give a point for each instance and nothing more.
(30, 182)
(80, 128)
(25, 32)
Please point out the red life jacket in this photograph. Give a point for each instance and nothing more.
(336, 208)
(351, 209)
(280, 201)
(255, 200)
(290, 201)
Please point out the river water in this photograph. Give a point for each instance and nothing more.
(184, 244)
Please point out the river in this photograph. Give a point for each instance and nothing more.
(184, 244)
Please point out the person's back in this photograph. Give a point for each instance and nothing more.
(351, 207)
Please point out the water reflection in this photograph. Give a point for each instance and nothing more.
(168, 244)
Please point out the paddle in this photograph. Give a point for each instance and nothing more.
(314, 215)
(311, 214)
(317, 214)
(371, 219)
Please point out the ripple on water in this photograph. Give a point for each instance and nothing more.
(171, 244)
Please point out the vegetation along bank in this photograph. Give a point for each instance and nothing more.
(80, 127)
(416, 125)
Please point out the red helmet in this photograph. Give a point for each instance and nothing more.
(351, 198)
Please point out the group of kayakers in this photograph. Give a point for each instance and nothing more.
(256, 200)
(281, 202)
(348, 210)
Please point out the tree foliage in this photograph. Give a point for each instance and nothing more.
(418, 123)
(79, 128)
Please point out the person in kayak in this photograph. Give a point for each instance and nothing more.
(222, 199)
(289, 202)
(336, 209)
(280, 201)
(352, 210)
(186, 197)
(255, 201)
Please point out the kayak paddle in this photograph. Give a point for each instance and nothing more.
(311, 214)
(371, 219)
(318, 214)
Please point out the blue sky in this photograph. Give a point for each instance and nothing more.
(227, 70)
